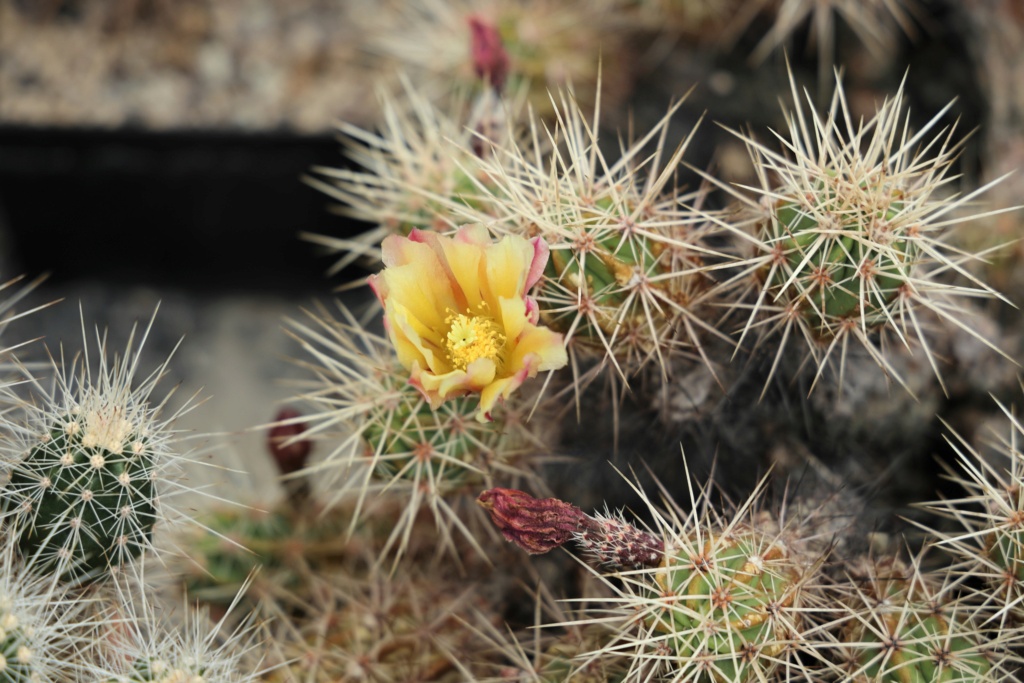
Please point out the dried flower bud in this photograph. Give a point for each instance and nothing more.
(288, 452)
(490, 60)
(535, 525)
(538, 526)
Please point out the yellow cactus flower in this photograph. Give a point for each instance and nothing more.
(456, 309)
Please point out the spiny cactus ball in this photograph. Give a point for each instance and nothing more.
(851, 234)
(903, 625)
(92, 458)
(631, 263)
(728, 606)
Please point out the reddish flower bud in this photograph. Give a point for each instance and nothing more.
(535, 525)
(490, 60)
(289, 453)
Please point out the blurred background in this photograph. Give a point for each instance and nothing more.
(153, 150)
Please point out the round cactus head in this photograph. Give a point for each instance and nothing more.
(631, 257)
(728, 607)
(840, 255)
(851, 235)
(733, 598)
(89, 490)
(429, 459)
(92, 458)
(904, 626)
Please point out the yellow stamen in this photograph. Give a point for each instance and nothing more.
(471, 337)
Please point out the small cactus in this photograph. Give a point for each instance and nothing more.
(988, 540)
(39, 624)
(403, 627)
(631, 265)
(422, 171)
(143, 642)
(904, 625)
(851, 236)
(228, 545)
(395, 444)
(92, 461)
(710, 599)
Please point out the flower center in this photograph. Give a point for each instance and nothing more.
(471, 337)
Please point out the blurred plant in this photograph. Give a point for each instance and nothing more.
(874, 21)
(850, 236)
(223, 550)
(409, 626)
(544, 44)
(95, 463)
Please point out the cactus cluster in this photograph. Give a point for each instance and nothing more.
(519, 261)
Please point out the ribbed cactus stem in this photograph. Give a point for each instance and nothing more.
(88, 493)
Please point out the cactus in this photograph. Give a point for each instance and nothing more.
(903, 625)
(535, 45)
(851, 239)
(228, 545)
(988, 541)
(400, 446)
(379, 629)
(421, 171)
(712, 599)
(40, 624)
(91, 463)
(631, 268)
(142, 642)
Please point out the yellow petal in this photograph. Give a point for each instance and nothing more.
(508, 264)
(428, 303)
(544, 345)
(513, 317)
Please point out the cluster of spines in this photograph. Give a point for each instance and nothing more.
(41, 625)
(92, 459)
(904, 624)
(632, 266)
(850, 237)
(423, 166)
(986, 532)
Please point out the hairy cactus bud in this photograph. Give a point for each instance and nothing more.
(539, 525)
